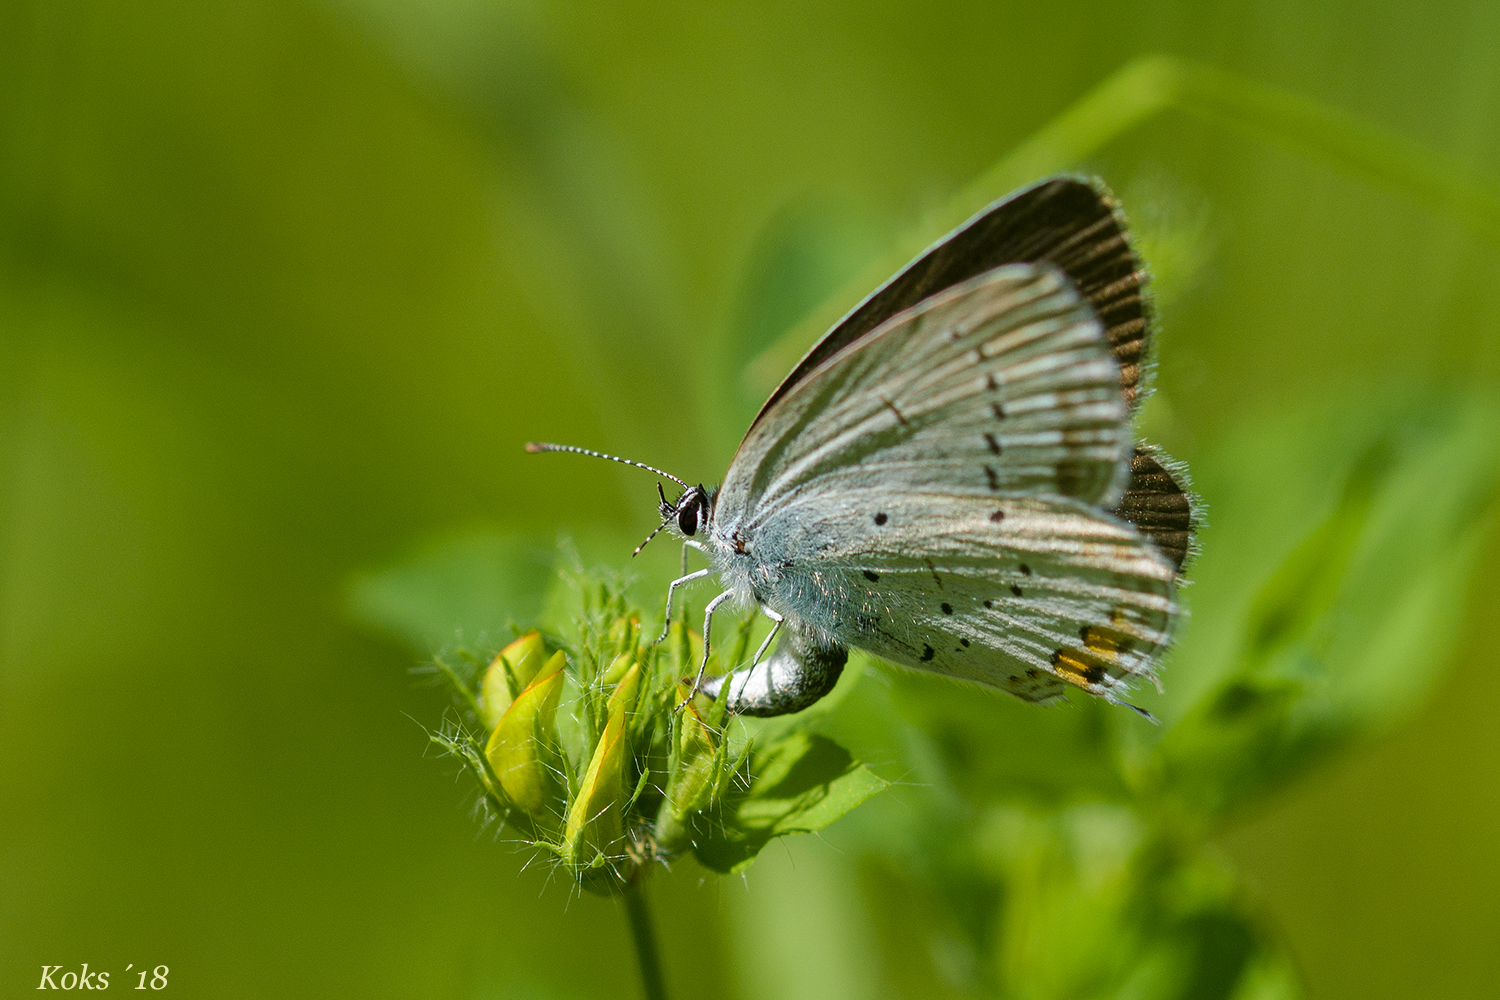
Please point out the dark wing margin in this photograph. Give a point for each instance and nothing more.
(1160, 506)
(1071, 222)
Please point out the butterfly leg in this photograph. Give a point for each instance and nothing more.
(776, 621)
(666, 625)
(688, 543)
(708, 624)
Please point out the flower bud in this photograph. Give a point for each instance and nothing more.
(509, 672)
(622, 636)
(595, 821)
(622, 699)
(522, 750)
(617, 668)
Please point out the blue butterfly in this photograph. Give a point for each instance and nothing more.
(950, 481)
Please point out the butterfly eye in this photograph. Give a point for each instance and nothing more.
(687, 517)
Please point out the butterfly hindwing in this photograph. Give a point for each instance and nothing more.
(1052, 592)
(1158, 504)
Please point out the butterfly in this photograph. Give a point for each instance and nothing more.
(950, 481)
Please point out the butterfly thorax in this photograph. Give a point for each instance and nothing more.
(761, 570)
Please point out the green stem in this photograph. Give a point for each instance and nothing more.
(644, 937)
(1139, 91)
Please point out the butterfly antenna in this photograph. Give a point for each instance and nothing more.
(537, 447)
(649, 537)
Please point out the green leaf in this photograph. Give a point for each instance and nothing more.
(800, 784)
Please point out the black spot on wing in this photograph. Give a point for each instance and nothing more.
(872, 576)
(927, 652)
(881, 518)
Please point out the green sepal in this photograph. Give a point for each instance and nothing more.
(595, 831)
(697, 768)
(627, 686)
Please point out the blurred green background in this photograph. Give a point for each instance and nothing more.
(283, 287)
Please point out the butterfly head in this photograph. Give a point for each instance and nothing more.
(691, 511)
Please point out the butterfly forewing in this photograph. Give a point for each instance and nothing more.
(1002, 385)
(1072, 223)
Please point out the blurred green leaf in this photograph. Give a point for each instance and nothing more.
(473, 586)
(997, 748)
(1353, 624)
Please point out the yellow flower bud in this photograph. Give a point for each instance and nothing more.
(622, 699)
(617, 668)
(512, 669)
(522, 750)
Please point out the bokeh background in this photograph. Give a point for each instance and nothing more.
(283, 286)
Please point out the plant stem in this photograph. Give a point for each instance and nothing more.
(644, 936)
